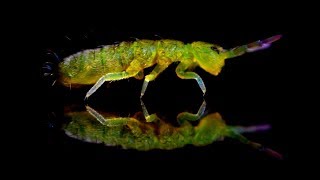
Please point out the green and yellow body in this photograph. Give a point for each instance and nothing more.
(129, 59)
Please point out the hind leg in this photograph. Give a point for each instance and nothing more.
(111, 121)
(109, 77)
(131, 71)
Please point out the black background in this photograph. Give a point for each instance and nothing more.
(251, 89)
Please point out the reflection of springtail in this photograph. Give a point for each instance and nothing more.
(144, 131)
(129, 59)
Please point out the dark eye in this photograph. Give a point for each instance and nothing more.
(214, 48)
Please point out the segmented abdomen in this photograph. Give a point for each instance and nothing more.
(86, 67)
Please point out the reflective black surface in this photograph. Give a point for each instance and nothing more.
(250, 90)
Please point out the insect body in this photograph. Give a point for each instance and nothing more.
(129, 59)
(146, 132)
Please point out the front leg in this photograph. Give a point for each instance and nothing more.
(152, 76)
(182, 73)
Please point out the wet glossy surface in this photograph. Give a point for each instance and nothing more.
(247, 92)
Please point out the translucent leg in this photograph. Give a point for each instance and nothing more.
(186, 116)
(152, 76)
(108, 77)
(149, 118)
(108, 121)
(181, 68)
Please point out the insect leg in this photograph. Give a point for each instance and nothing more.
(252, 47)
(152, 76)
(181, 73)
(108, 121)
(109, 77)
(149, 118)
(186, 116)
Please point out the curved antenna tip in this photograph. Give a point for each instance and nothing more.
(273, 38)
(277, 37)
